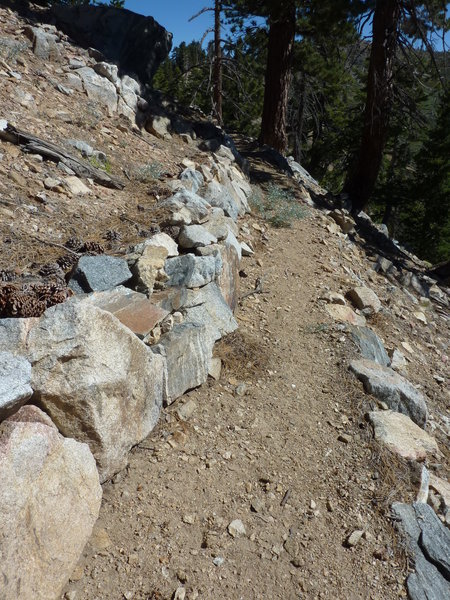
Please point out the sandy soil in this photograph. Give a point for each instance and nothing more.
(265, 445)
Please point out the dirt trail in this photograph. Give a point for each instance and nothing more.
(279, 442)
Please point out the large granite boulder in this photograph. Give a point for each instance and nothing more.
(98, 382)
(50, 498)
(137, 44)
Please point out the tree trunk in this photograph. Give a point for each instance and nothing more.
(362, 178)
(217, 75)
(278, 77)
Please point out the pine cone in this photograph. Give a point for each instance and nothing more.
(67, 261)
(7, 275)
(52, 270)
(74, 244)
(112, 236)
(92, 248)
(31, 299)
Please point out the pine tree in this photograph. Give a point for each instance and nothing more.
(433, 187)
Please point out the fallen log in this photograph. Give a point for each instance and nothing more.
(32, 144)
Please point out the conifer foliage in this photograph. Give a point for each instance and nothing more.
(354, 89)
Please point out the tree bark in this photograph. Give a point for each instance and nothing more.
(363, 176)
(278, 77)
(217, 76)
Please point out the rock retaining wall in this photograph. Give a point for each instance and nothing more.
(138, 333)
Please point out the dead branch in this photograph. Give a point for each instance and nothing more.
(31, 143)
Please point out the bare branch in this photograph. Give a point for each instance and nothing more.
(200, 12)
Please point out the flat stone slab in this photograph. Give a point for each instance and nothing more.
(134, 310)
(402, 436)
(188, 352)
(99, 273)
(393, 389)
(208, 306)
(345, 314)
(195, 236)
(369, 344)
(15, 383)
(428, 542)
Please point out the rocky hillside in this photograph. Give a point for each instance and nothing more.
(213, 381)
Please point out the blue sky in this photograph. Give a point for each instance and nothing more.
(174, 16)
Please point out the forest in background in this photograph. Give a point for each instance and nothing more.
(326, 101)
(356, 90)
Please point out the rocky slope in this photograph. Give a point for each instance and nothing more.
(130, 256)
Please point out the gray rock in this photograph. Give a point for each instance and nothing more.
(159, 126)
(74, 81)
(398, 360)
(15, 379)
(208, 306)
(99, 89)
(231, 240)
(217, 195)
(246, 250)
(224, 152)
(83, 147)
(369, 344)
(427, 581)
(194, 177)
(186, 208)
(50, 498)
(98, 382)
(137, 43)
(130, 83)
(98, 273)
(128, 96)
(195, 236)
(190, 271)
(44, 44)
(219, 225)
(302, 175)
(393, 389)
(107, 70)
(159, 240)
(383, 264)
(365, 298)
(188, 352)
(435, 540)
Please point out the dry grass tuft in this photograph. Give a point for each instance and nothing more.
(242, 355)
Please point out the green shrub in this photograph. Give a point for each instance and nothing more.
(149, 172)
(277, 205)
